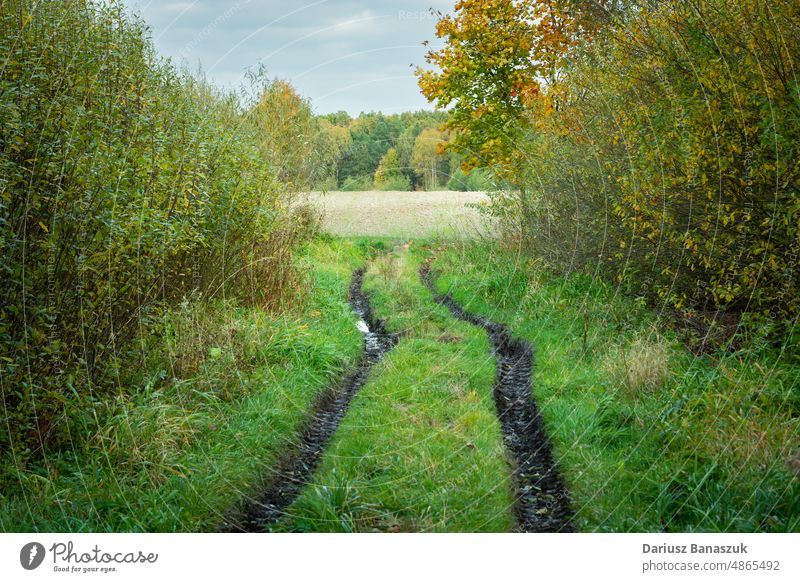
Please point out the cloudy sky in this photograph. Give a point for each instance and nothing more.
(342, 54)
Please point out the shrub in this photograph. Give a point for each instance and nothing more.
(475, 180)
(396, 183)
(326, 184)
(357, 184)
(656, 142)
(124, 185)
(389, 173)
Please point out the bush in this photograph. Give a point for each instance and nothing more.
(326, 185)
(357, 184)
(124, 185)
(656, 142)
(396, 183)
(476, 180)
(692, 174)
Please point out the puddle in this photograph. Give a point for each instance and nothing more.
(297, 466)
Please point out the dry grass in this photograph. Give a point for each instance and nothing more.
(408, 214)
(643, 365)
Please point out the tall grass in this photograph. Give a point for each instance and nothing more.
(650, 436)
(223, 391)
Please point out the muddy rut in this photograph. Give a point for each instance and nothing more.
(542, 501)
(296, 467)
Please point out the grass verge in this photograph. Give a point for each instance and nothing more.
(223, 388)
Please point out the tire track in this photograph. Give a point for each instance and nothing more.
(296, 467)
(542, 501)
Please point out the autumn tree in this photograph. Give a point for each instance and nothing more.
(289, 133)
(655, 142)
(499, 57)
(428, 159)
(389, 175)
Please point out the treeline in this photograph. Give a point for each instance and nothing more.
(653, 142)
(392, 152)
(125, 186)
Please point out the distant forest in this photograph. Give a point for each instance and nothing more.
(404, 151)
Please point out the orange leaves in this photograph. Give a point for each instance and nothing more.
(489, 72)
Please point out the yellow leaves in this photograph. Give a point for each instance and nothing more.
(43, 226)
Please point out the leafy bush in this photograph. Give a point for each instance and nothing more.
(326, 185)
(396, 183)
(357, 184)
(475, 180)
(124, 185)
(389, 172)
(656, 142)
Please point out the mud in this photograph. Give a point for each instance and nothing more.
(296, 467)
(542, 502)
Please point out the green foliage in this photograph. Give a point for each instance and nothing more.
(300, 148)
(220, 389)
(357, 184)
(475, 180)
(649, 437)
(389, 175)
(431, 167)
(362, 143)
(662, 150)
(398, 183)
(124, 185)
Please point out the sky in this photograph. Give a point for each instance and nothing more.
(341, 54)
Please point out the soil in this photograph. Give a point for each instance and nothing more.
(295, 469)
(542, 501)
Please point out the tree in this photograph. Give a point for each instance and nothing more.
(499, 58)
(405, 149)
(389, 175)
(331, 143)
(484, 75)
(290, 132)
(372, 134)
(428, 159)
(657, 137)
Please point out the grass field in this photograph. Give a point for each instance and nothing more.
(402, 214)
(647, 436)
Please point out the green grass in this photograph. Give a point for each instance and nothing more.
(224, 391)
(420, 448)
(649, 437)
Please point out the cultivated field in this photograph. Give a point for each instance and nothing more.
(413, 214)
